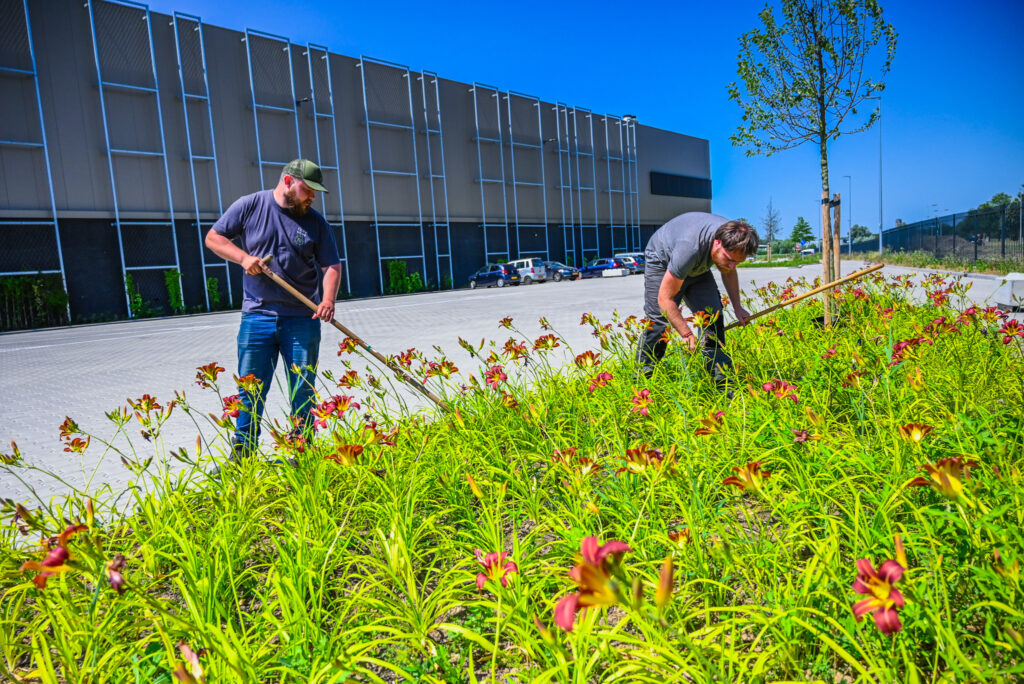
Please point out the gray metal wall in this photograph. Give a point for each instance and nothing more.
(71, 110)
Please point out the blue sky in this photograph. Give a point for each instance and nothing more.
(953, 113)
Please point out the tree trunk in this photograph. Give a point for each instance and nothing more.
(837, 248)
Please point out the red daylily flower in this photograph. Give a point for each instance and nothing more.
(249, 383)
(641, 400)
(193, 674)
(1010, 330)
(749, 477)
(915, 432)
(232, 406)
(113, 570)
(496, 568)
(563, 456)
(545, 342)
(370, 435)
(406, 358)
(588, 466)
(829, 353)
(514, 350)
(206, 376)
(349, 380)
(345, 454)
(884, 598)
(77, 445)
(508, 401)
(645, 456)
(444, 368)
(947, 476)
(703, 319)
(593, 577)
(56, 558)
(904, 349)
(588, 359)
(600, 380)
(495, 376)
(680, 537)
(335, 406)
(802, 436)
(69, 428)
(588, 318)
(781, 389)
(712, 424)
(505, 322)
(348, 346)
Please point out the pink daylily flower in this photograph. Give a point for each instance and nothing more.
(883, 598)
(496, 568)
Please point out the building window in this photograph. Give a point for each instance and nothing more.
(680, 186)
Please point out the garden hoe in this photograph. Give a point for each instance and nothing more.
(395, 368)
(810, 293)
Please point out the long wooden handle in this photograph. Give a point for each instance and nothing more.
(810, 293)
(395, 368)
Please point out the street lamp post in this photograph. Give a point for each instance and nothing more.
(880, 223)
(849, 214)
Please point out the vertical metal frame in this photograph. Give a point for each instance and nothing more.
(516, 182)
(211, 158)
(434, 174)
(633, 175)
(616, 190)
(565, 179)
(328, 116)
(483, 179)
(374, 171)
(585, 227)
(41, 145)
(258, 107)
(111, 151)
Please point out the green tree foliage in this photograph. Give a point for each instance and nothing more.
(801, 231)
(998, 200)
(805, 73)
(859, 232)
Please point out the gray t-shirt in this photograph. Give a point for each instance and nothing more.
(683, 245)
(301, 246)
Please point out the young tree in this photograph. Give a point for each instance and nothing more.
(771, 223)
(859, 232)
(805, 74)
(801, 231)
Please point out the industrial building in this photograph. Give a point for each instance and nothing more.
(125, 133)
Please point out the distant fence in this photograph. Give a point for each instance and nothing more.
(985, 234)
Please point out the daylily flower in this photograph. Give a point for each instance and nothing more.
(335, 406)
(545, 342)
(69, 428)
(829, 353)
(249, 383)
(600, 380)
(495, 376)
(947, 476)
(232, 406)
(802, 436)
(193, 674)
(884, 598)
(444, 368)
(508, 401)
(563, 456)
(904, 349)
(345, 454)
(645, 456)
(853, 379)
(749, 477)
(206, 376)
(406, 358)
(915, 432)
(348, 346)
(505, 322)
(77, 445)
(145, 404)
(712, 423)
(588, 318)
(593, 577)
(993, 314)
(349, 380)
(496, 568)
(56, 559)
(939, 297)
(1011, 329)
(703, 319)
(113, 570)
(588, 359)
(588, 466)
(641, 400)
(514, 350)
(781, 389)
(680, 537)
(370, 435)
(544, 325)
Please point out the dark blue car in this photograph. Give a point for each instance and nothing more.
(558, 271)
(595, 268)
(494, 274)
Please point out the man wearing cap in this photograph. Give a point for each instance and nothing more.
(282, 223)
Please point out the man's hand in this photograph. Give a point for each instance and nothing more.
(741, 314)
(252, 265)
(325, 312)
(691, 341)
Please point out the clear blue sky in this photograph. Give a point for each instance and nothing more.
(953, 113)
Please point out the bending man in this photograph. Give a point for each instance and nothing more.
(679, 258)
(283, 223)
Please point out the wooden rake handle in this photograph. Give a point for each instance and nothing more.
(810, 293)
(394, 367)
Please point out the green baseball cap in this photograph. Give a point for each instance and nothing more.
(308, 172)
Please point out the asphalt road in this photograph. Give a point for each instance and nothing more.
(86, 371)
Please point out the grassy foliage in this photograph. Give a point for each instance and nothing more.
(921, 259)
(744, 519)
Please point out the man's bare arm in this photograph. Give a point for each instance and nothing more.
(670, 286)
(332, 280)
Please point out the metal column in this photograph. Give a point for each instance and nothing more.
(586, 180)
(437, 181)
(321, 97)
(633, 176)
(383, 118)
(26, 69)
(532, 145)
(195, 90)
(616, 170)
(116, 21)
(270, 64)
(563, 140)
(490, 135)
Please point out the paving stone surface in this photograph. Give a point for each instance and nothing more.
(86, 371)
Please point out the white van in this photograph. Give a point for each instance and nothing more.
(530, 270)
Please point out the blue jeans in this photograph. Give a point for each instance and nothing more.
(260, 339)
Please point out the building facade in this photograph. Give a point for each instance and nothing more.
(124, 134)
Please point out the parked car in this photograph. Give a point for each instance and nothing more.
(530, 270)
(634, 264)
(603, 266)
(495, 274)
(809, 250)
(558, 271)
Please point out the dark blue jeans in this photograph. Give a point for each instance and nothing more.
(260, 339)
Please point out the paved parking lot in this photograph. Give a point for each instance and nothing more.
(86, 371)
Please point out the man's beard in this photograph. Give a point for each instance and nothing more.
(295, 206)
